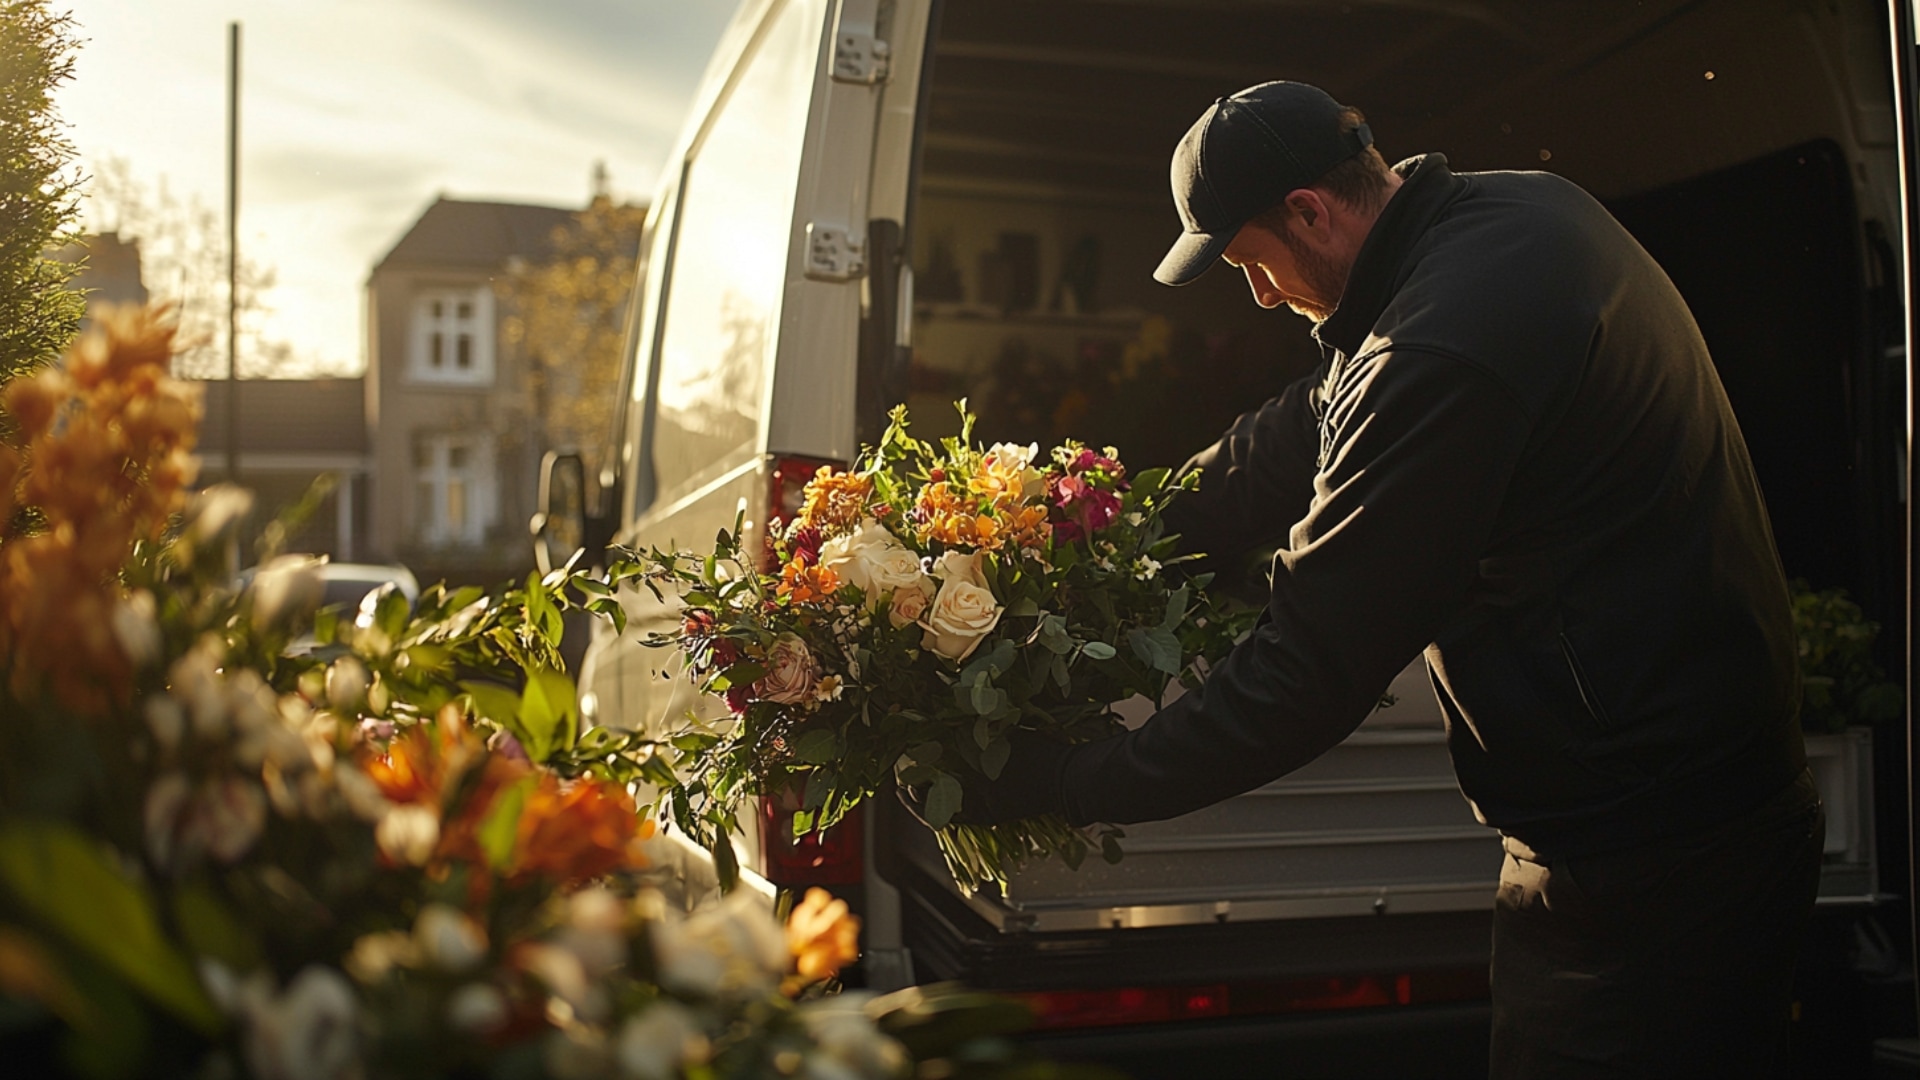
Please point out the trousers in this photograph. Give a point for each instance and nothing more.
(1670, 959)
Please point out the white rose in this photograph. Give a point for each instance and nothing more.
(654, 1044)
(962, 614)
(791, 672)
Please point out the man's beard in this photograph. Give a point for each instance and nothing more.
(1326, 278)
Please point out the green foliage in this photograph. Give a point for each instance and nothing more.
(38, 190)
(1840, 682)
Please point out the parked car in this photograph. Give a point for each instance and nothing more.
(875, 202)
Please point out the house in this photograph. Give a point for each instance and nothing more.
(112, 271)
(449, 407)
(292, 432)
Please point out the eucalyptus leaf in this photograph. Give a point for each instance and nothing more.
(943, 801)
(993, 757)
(1098, 650)
(818, 747)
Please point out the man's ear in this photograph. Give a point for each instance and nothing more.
(1308, 208)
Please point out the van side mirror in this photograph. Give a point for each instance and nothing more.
(560, 527)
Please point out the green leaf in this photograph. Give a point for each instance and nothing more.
(1110, 848)
(993, 757)
(1023, 608)
(326, 625)
(726, 865)
(391, 615)
(550, 713)
(62, 877)
(1061, 677)
(1157, 648)
(498, 704)
(983, 697)
(1099, 650)
(818, 747)
(1176, 609)
(500, 829)
(943, 801)
(541, 613)
(211, 929)
(1053, 635)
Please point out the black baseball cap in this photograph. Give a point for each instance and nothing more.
(1242, 157)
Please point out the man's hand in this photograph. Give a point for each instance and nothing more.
(1029, 786)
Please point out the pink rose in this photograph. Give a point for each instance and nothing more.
(791, 672)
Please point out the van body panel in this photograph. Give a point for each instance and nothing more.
(1023, 148)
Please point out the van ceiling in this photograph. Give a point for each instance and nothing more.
(1090, 96)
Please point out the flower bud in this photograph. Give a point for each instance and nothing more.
(347, 682)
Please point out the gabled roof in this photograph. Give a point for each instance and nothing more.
(289, 416)
(475, 235)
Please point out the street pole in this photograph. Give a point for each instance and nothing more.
(233, 252)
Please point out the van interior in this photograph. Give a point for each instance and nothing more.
(1748, 144)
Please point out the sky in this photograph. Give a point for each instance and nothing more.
(355, 114)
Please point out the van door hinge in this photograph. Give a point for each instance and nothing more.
(833, 255)
(860, 58)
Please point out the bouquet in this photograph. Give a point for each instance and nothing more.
(919, 610)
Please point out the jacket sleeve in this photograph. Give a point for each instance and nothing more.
(1423, 446)
(1255, 482)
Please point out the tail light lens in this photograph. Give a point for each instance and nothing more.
(1062, 1009)
(836, 856)
(787, 487)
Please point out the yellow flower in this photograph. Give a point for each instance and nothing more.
(822, 936)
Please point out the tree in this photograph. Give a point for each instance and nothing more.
(568, 314)
(183, 261)
(39, 197)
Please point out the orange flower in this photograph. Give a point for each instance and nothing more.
(574, 831)
(568, 831)
(99, 449)
(822, 938)
(805, 584)
(835, 501)
(1030, 528)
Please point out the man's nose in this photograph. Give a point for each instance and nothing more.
(1264, 293)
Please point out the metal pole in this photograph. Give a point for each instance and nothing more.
(233, 252)
(1903, 103)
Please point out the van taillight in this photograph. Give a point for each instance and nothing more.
(787, 485)
(833, 857)
(1056, 1009)
(836, 856)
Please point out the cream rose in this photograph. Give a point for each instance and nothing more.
(791, 672)
(909, 603)
(954, 566)
(874, 561)
(962, 614)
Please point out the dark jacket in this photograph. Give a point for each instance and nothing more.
(1518, 458)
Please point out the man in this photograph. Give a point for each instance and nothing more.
(1517, 457)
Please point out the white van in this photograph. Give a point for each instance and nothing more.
(906, 200)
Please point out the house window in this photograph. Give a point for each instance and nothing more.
(455, 502)
(453, 337)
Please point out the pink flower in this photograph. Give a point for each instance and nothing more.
(805, 543)
(738, 698)
(1083, 508)
(502, 742)
(791, 672)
